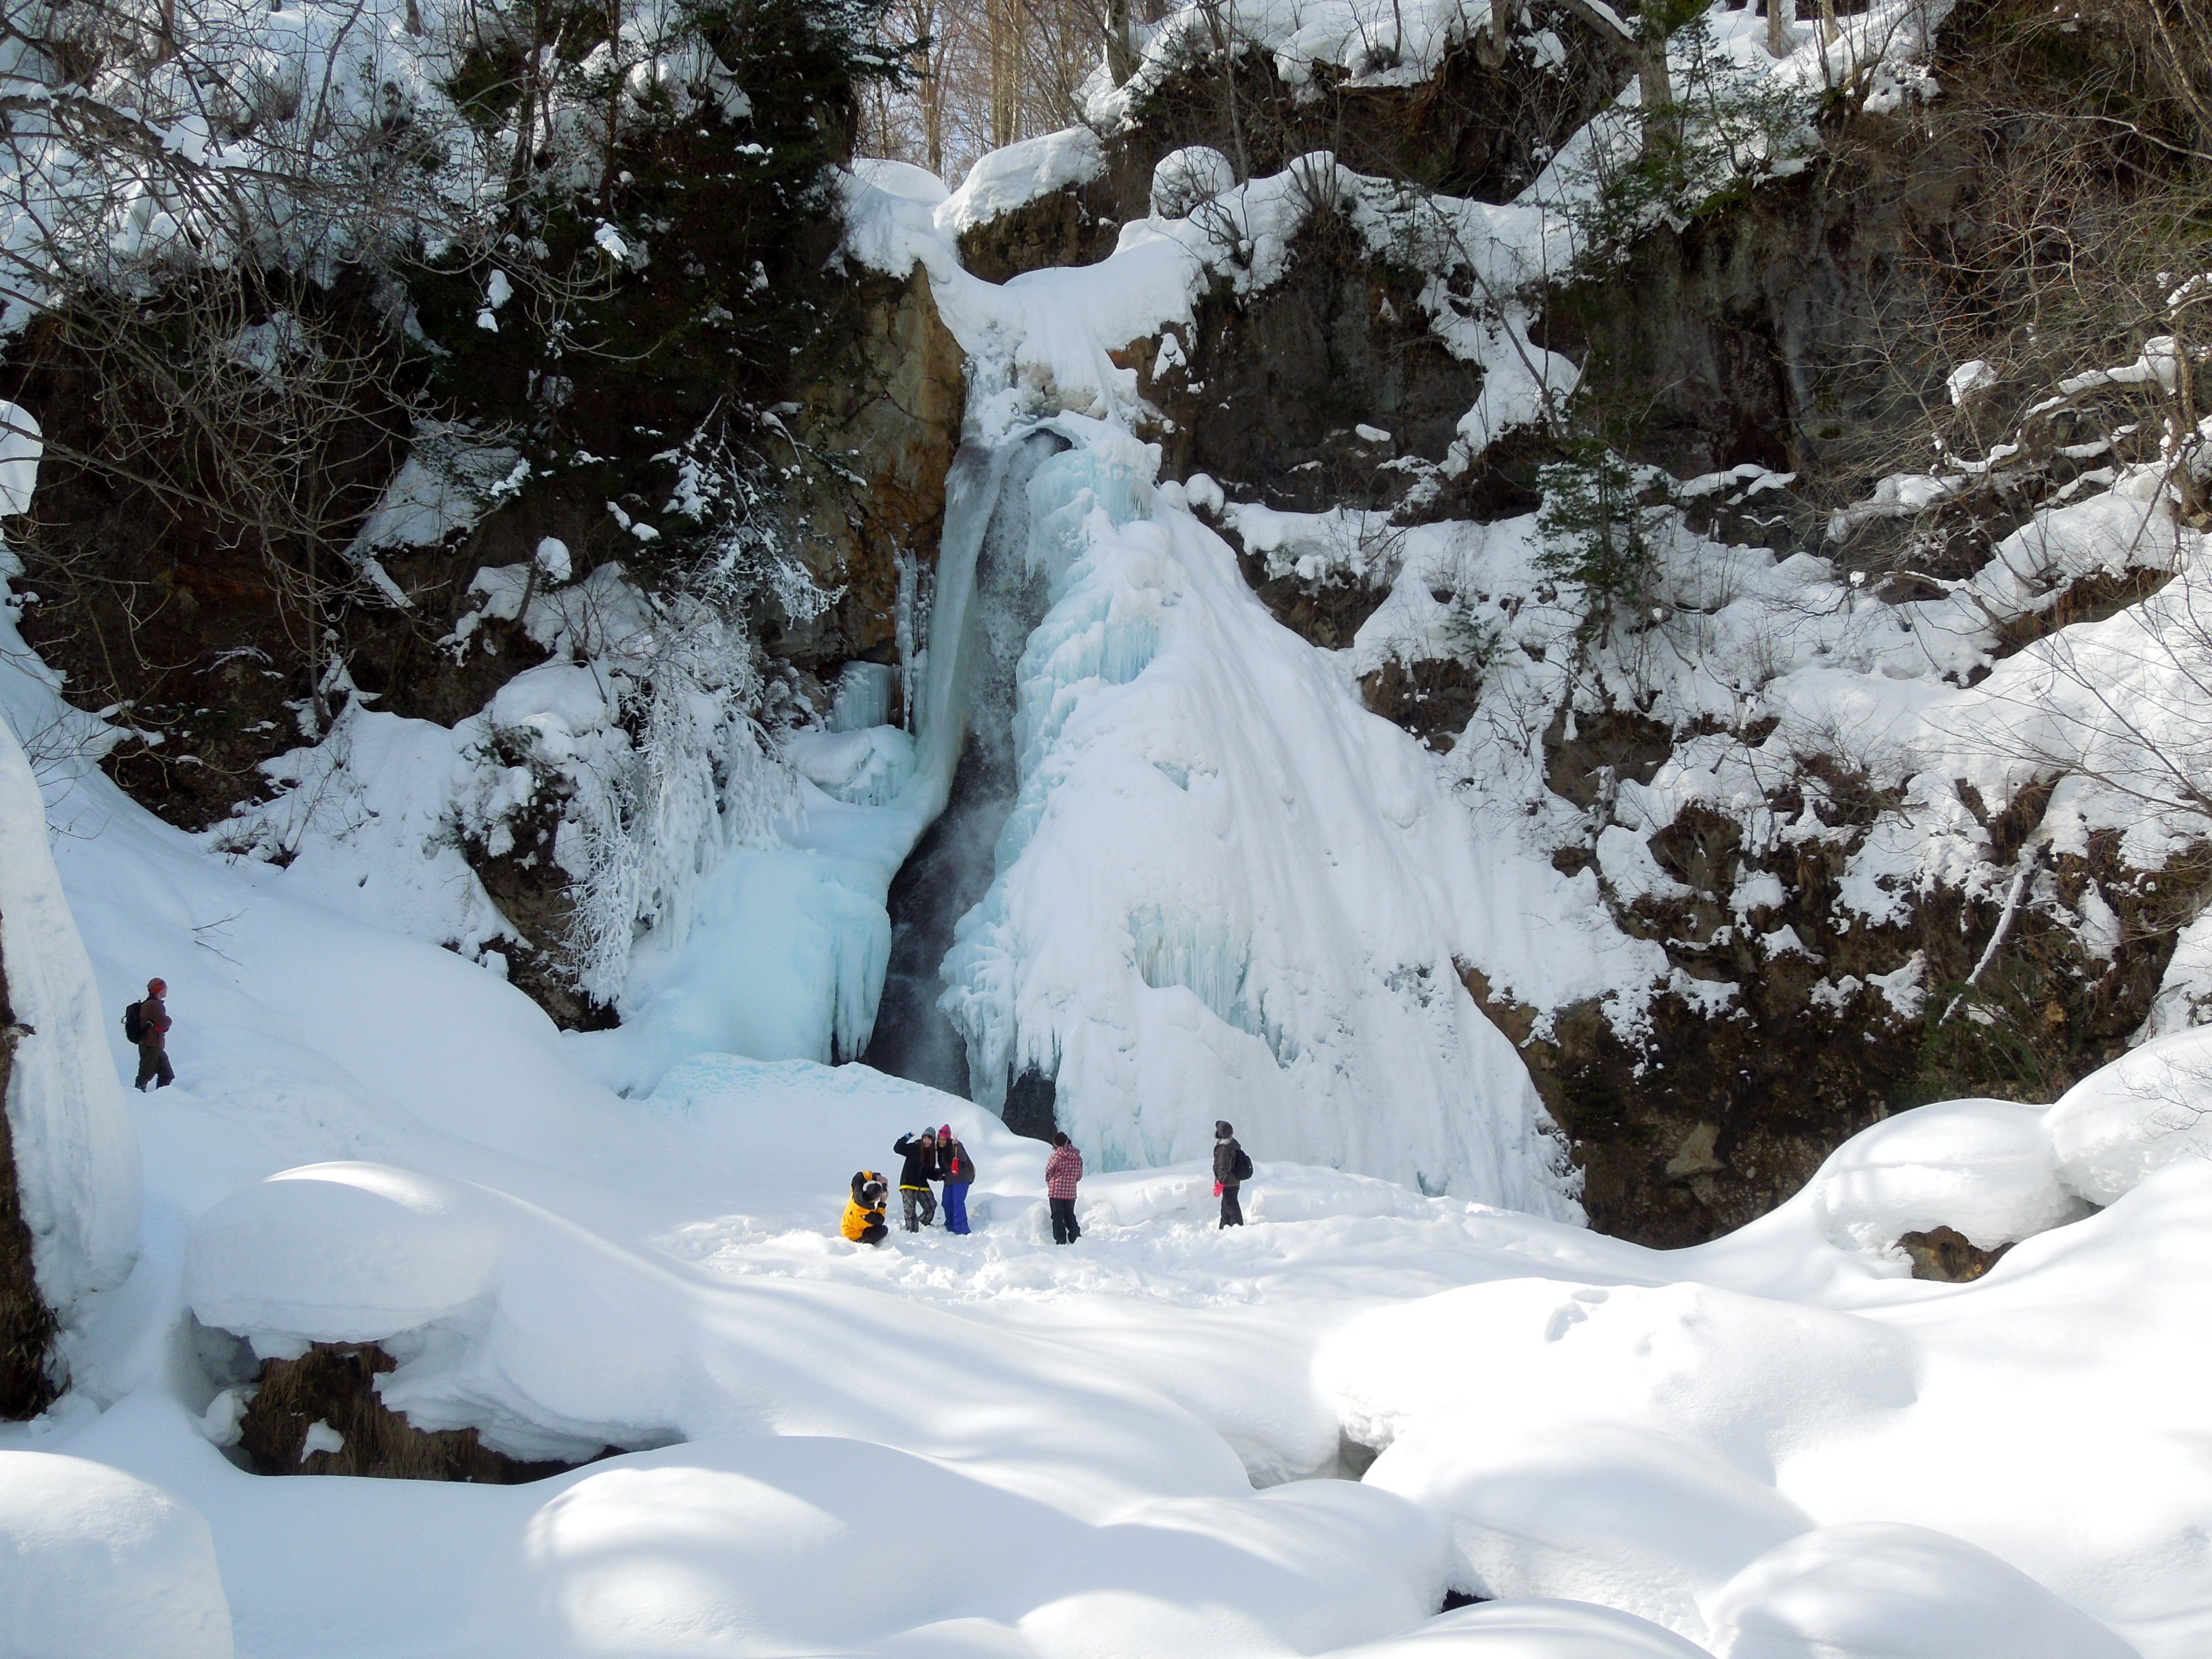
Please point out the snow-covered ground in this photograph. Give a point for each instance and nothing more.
(1225, 888)
(1776, 1444)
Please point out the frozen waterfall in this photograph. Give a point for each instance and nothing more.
(1144, 861)
(988, 600)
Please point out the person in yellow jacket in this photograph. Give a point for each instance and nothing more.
(863, 1210)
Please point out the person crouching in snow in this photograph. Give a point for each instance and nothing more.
(915, 1175)
(1062, 1170)
(959, 1172)
(863, 1210)
(1232, 1168)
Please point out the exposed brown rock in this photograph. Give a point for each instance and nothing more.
(1433, 697)
(888, 410)
(1946, 1254)
(1074, 227)
(334, 1383)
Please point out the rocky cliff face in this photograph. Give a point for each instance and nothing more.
(1739, 341)
(1754, 339)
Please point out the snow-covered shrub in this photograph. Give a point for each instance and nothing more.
(1712, 114)
(646, 734)
(690, 773)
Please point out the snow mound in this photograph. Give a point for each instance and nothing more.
(94, 1565)
(1620, 1480)
(2144, 1111)
(1620, 1517)
(1533, 1630)
(1881, 1591)
(770, 1546)
(1004, 180)
(1985, 1168)
(555, 1342)
(75, 1148)
(1186, 178)
(903, 179)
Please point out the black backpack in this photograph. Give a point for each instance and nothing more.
(1241, 1170)
(134, 1024)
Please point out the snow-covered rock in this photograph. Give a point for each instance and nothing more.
(1985, 1168)
(1004, 180)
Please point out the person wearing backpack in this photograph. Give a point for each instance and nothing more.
(1232, 1168)
(146, 1027)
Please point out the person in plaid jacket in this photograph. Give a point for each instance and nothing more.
(1061, 1171)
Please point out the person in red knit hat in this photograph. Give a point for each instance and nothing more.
(957, 1170)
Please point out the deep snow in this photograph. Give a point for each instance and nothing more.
(1775, 1445)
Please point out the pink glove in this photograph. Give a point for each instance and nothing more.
(1217, 1189)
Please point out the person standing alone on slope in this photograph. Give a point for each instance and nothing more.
(146, 1025)
(1062, 1170)
(959, 1172)
(915, 1200)
(1232, 1169)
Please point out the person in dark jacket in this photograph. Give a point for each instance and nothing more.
(153, 1038)
(917, 1202)
(1231, 1167)
(863, 1210)
(959, 1172)
(1062, 1170)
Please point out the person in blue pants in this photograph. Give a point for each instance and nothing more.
(959, 1175)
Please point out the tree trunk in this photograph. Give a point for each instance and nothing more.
(1121, 42)
(1780, 14)
(1003, 19)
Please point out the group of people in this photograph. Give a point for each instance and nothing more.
(934, 1155)
(937, 1155)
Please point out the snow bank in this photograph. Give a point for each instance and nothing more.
(94, 1565)
(1878, 1591)
(76, 1149)
(2146, 1110)
(1689, 1453)
(1533, 1630)
(813, 1544)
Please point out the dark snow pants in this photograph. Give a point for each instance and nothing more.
(1232, 1213)
(955, 1206)
(918, 1200)
(154, 1063)
(1064, 1229)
